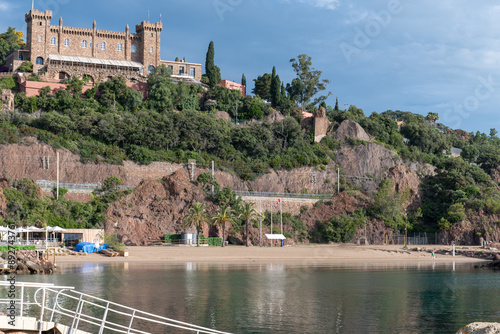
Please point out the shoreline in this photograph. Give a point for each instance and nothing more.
(300, 255)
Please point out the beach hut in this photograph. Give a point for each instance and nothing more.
(276, 239)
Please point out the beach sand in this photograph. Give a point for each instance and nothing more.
(303, 254)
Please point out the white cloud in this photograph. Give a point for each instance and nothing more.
(328, 4)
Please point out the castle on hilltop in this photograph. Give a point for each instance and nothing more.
(96, 55)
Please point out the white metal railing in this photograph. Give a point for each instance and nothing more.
(51, 302)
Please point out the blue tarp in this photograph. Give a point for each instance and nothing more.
(88, 247)
(103, 246)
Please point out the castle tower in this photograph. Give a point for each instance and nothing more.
(37, 37)
(148, 44)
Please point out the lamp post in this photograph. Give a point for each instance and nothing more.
(406, 230)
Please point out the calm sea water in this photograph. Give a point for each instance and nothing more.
(286, 298)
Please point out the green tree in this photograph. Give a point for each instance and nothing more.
(247, 213)
(493, 133)
(197, 216)
(26, 67)
(275, 88)
(223, 216)
(243, 80)
(456, 213)
(388, 204)
(432, 117)
(111, 183)
(212, 71)
(10, 40)
(262, 86)
(311, 79)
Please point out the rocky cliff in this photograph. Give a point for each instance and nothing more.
(155, 208)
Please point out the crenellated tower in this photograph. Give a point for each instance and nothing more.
(148, 43)
(37, 36)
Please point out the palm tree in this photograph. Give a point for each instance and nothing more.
(197, 216)
(248, 212)
(223, 216)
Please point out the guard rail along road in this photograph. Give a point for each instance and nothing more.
(38, 307)
(89, 187)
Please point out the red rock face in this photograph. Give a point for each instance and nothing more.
(3, 204)
(155, 208)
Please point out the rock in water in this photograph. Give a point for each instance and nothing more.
(481, 328)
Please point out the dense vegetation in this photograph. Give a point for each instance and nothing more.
(176, 122)
(29, 207)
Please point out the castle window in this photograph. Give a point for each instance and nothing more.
(40, 23)
(84, 44)
(151, 34)
(21, 57)
(133, 48)
(52, 41)
(151, 68)
(151, 49)
(120, 47)
(66, 42)
(40, 38)
(39, 61)
(103, 45)
(181, 70)
(171, 68)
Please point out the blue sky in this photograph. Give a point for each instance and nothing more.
(420, 56)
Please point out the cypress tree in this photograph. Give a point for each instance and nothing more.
(243, 80)
(210, 68)
(336, 104)
(275, 88)
(283, 92)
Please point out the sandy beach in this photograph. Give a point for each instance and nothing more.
(304, 254)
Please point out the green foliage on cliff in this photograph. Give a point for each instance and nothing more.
(27, 207)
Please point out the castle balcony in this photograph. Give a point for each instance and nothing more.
(62, 67)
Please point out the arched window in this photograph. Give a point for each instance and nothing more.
(66, 42)
(84, 44)
(103, 45)
(21, 57)
(52, 41)
(151, 49)
(39, 61)
(151, 68)
(120, 47)
(40, 38)
(133, 48)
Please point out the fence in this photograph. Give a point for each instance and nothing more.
(283, 195)
(176, 239)
(417, 238)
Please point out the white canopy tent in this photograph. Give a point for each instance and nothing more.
(273, 237)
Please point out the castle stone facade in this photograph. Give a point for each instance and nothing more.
(63, 52)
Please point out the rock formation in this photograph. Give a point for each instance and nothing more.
(351, 129)
(321, 124)
(481, 328)
(153, 209)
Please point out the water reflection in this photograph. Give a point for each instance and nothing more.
(416, 297)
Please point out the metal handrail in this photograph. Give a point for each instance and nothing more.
(53, 299)
(282, 195)
(97, 186)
